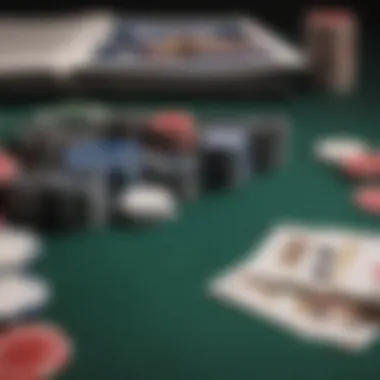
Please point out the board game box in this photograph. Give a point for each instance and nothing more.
(40, 53)
(191, 55)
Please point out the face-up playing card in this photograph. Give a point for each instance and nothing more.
(312, 316)
(242, 289)
(319, 282)
(321, 258)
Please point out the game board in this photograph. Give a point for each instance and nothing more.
(187, 54)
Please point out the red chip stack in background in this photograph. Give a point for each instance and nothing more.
(331, 39)
(33, 352)
(367, 198)
(8, 168)
(176, 127)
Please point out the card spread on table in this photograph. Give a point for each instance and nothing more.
(333, 259)
(315, 282)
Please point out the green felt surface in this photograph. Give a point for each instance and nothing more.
(135, 302)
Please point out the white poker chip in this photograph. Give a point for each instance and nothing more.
(148, 203)
(18, 248)
(21, 295)
(333, 150)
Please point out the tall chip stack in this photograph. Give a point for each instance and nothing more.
(331, 38)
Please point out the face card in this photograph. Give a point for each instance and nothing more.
(284, 255)
(318, 317)
(321, 283)
(242, 289)
(324, 259)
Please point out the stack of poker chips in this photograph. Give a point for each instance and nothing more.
(29, 348)
(137, 165)
(22, 296)
(225, 157)
(331, 39)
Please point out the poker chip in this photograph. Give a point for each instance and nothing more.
(41, 350)
(334, 150)
(86, 156)
(8, 168)
(17, 248)
(21, 296)
(148, 203)
(367, 198)
(175, 125)
(362, 166)
(17, 374)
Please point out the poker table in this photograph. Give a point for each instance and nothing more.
(135, 302)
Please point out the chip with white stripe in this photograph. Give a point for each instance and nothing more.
(147, 203)
(334, 150)
(21, 296)
(18, 248)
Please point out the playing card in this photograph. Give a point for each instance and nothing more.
(349, 325)
(242, 289)
(319, 282)
(321, 258)
(318, 317)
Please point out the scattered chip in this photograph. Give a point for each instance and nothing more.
(17, 374)
(367, 198)
(21, 296)
(334, 150)
(17, 248)
(37, 349)
(363, 166)
(147, 203)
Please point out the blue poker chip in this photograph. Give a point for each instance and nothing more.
(86, 156)
(121, 154)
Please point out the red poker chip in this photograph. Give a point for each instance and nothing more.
(42, 350)
(176, 124)
(15, 374)
(362, 166)
(8, 168)
(368, 199)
